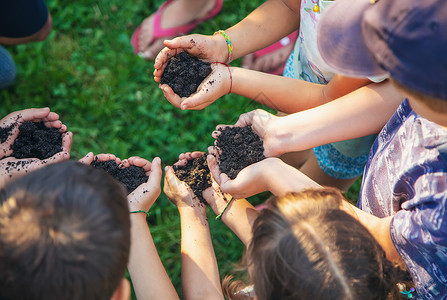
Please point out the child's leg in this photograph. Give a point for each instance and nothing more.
(313, 170)
(7, 69)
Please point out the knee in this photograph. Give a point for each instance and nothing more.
(42, 34)
(7, 69)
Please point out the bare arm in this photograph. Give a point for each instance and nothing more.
(378, 227)
(149, 277)
(266, 25)
(200, 273)
(360, 113)
(290, 95)
(238, 216)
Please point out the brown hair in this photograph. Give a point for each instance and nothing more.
(64, 234)
(305, 247)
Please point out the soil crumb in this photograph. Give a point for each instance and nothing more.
(196, 174)
(184, 73)
(35, 140)
(131, 177)
(239, 148)
(5, 132)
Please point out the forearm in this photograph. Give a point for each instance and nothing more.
(284, 94)
(282, 178)
(239, 216)
(200, 274)
(379, 229)
(360, 113)
(266, 25)
(149, 278)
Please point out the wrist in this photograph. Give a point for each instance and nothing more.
(222, 49)
(198, 210)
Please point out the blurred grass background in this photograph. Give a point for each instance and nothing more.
(86, 71)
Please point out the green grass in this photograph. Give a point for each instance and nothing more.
(86, 71)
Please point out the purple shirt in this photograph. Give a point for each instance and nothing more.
(406, 177)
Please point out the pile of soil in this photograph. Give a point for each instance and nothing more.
(36, 140)
(184, 73)
(239, 148)
(131, 177)
(5, 132)
(196, 174)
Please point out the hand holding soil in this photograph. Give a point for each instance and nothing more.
(130, 175)
(184, 73)
(207, 48)
(10, 129)
(144, 196)
(216, 85)
(250, 181)
(264, 124)
(179, 192)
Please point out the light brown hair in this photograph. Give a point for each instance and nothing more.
(306, 247)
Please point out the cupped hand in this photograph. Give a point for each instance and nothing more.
(250, 181)
(17, 118)
(263, 124)
(212, 195)
(214, 86)
(178, 191)
(208, 48)
(11, 167)
(144, 196)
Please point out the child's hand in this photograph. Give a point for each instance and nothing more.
(11, 167)
(208, 48)
(145, 195)
(264, 125)
(213, 195)
(17, 118)
(212, 88)
(250, 181)
(178, 191)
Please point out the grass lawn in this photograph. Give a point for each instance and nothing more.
(86, 71)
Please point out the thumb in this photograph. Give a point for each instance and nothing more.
(179, 42)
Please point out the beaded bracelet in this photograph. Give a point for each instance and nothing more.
(137, 211)
(229, 71)
(225, 208)
(229, 44)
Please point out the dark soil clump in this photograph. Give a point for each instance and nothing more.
(131, 177)
(5, 132)
(36, 140)
(196, 174)
(184, 73)
(239, 148)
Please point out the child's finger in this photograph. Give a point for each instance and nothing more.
(52, 116)
(156, 173)
(32, 114)
(169, 94)
(214, 168)
(67, 141)
(88, 159)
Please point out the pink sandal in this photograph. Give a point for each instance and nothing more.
(291, 38)
(175, 31)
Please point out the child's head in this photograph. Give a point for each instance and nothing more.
(406, 39)
(64, 234)
(305, 247)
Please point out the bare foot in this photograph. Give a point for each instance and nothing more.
(269, 62)
(180, 12)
